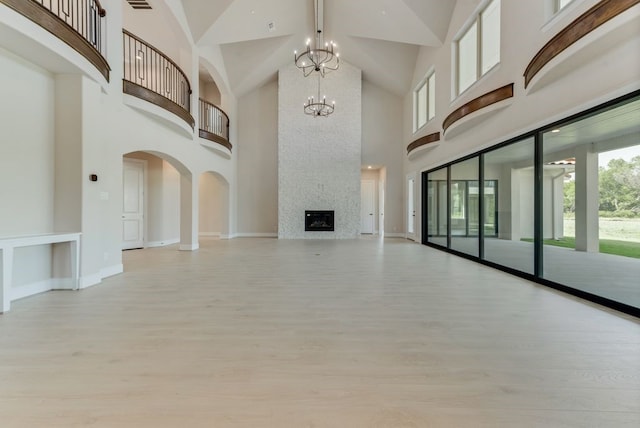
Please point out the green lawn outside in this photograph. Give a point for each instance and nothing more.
(620, 229)
(608, 246)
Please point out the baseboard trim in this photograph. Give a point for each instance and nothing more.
(90, 280)
(51, 284)
(63, 284)
(189, 247)
(394, 235)
(154, 244)
(111, 270)
(27, 290)
(256, 235)
(210, 234)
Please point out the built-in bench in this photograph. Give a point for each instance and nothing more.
(65, 265)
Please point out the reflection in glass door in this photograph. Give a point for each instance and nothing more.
(411, 209)
(458, 208)
(509, 210)
(442, 209)
(490, 208)
(436, 209)
(465, 206)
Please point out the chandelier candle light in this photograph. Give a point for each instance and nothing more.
(321, 57)
(322, 60)
(317, 108)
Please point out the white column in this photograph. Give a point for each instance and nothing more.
(509, 194)
(556, 180)
(74, 255)
(188, 213)
(587, 194)
(6, 268)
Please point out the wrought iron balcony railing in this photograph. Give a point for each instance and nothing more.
(214, 124)
(79, 23)
(152, 76)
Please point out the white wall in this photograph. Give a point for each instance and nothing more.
(170, 202)
(210, 92)
(319, 158)
(213, 216)
(27, 147)
(257, 150)
(382, 146)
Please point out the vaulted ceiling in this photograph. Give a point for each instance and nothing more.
(255, 38)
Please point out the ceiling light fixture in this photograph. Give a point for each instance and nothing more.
(318, 107)
(320, 57)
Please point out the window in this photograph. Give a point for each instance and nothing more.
(560, 4)
(431, 96)
(553, 9)
(425, 102)
(478, 48)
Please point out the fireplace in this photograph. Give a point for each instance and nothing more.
(318, 221)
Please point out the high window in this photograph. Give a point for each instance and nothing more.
(425, 101)
(559, 4)
(478, 47)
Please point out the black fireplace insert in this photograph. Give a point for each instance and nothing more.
(318, 221)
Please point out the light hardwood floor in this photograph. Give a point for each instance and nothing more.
(315, 333)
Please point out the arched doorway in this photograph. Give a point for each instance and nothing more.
(158, 201)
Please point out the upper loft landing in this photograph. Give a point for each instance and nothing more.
(79, 27)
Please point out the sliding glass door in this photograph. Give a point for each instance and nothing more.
(560, 205)
(465, 207)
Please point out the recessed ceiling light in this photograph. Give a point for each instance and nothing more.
(369, 167)
(253, 12)
(555, 131)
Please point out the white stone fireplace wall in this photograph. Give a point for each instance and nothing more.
(319, 158)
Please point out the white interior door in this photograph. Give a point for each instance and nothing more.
(411, 207)
(132, 204)
(367, 206)
(381, 187)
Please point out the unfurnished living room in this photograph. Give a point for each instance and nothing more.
(319, 213)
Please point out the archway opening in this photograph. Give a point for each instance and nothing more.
(157, 203)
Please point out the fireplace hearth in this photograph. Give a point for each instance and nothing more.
(318, 221)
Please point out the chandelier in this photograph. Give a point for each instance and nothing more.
(317, 107)
(321, 56)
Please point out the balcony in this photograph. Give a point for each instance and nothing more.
(214, 124)
(152, 76)
(79, 23)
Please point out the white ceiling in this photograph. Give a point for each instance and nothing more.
(381, 37)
